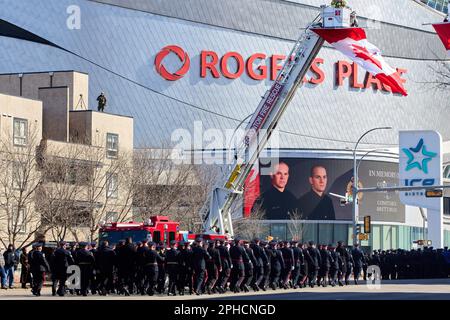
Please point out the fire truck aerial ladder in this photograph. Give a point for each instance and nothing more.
(216, 213)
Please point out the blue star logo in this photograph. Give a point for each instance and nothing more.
(413, 152)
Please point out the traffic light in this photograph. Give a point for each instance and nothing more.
(358, 229)
(367, 224)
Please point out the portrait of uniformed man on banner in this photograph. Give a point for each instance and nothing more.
(277, 202)
(316, 204)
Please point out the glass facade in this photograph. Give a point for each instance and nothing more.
(440, 5)
(383, 237)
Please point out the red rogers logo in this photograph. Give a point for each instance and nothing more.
(183, 57)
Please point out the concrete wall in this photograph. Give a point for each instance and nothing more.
(56, 113)
(31, 82)
(93, 126)
(15, 107)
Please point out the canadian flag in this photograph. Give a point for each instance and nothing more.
(443, 31)
(353, 43)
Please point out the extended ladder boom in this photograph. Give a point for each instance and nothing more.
(215, 214)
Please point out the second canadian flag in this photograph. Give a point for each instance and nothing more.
(353, 43)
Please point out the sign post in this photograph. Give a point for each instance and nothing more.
(420, 164)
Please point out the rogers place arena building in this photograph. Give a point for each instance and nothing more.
(169, 64)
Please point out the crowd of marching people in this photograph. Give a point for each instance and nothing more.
(147, 268)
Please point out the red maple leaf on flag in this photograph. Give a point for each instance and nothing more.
(363, 53)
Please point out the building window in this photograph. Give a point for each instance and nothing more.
(111, 216)
(440, 5)
(18, 220)
(20, 129)
(111, 185)
(112, 145)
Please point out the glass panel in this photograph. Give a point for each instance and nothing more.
(278, 231)
(376, 239)
(394, 237)
(339, 233)
(310, 233)
(387, 238)
(326, 233)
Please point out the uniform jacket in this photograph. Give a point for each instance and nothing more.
(38, 263)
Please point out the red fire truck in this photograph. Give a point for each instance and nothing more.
(157, 229)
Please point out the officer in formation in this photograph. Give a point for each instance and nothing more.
(218, 266)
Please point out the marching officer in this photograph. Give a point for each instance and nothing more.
(296, 251)
(60, 261)
(213, 267)
(358, 257)
(266, 264)
(86, 261)
(105, 259)
(335, 265)
(303, 265)
(288, 257)
(249, 263)
(151, 260)
(185, 267)
(258, 267)
(38, 266)
(199, 257)
(237, 253)
(225, 260)
(327, 261)
(314, 262)
(276, 265)
(140, 263)
(172, 267)
(343, 262)
(161, 282)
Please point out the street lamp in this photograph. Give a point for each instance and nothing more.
(355, 183)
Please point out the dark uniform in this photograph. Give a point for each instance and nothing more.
(126, 256)
(213, 267)
(61, 259)
(326, 261)
(151, 260)
(267, 266)
(288, 258)
(140, 263)
(225, 260)
(237, 253)
(343, 258)
(199, 257)
(101, 102)
(38, 266)
(185, 267)
(86, 261)
(358, 257)
(172, 268)
(276, 266)
(249, 264)
(105, 260)
(160, 288)
(258, 267)
(276, 204)
(296, 272)
(314, 263)
(335, 266)
(316, 207)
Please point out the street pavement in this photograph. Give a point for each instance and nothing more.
(425, 289)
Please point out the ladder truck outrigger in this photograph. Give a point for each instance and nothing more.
(216, 213)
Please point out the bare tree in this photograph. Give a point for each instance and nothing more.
(19, 180)
(295, 226)
(164, 187)
(103, 192)
(252, 226)
(442, 76)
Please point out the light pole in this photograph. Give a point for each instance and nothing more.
(355, 183)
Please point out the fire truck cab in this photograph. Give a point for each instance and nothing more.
(157, 229)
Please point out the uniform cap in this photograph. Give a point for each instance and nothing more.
(62, 243)
(173, 242)
(199, 239)
(37, 244)
(151, 244)
(83, 244)
(93, 243)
